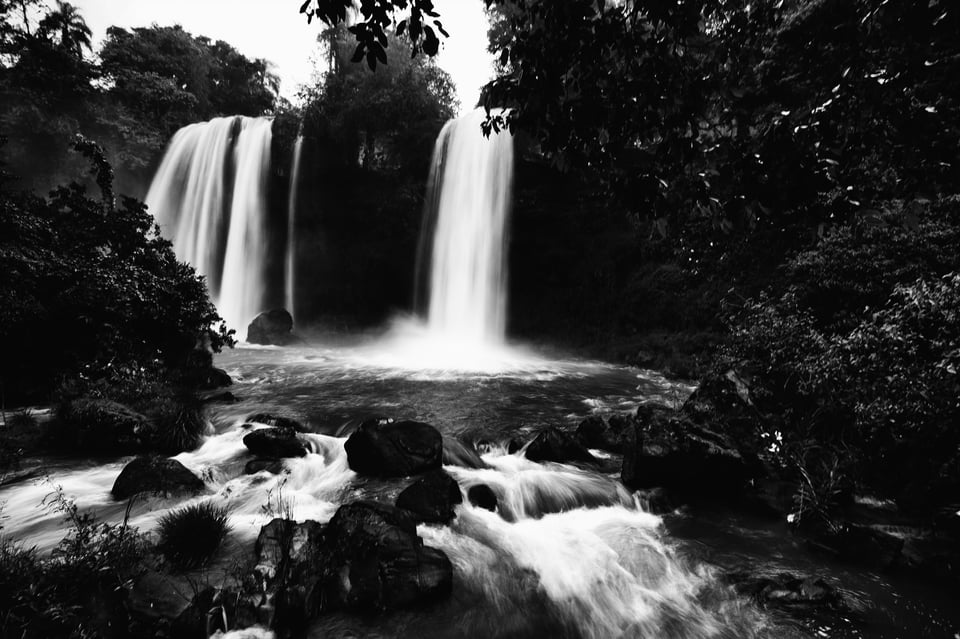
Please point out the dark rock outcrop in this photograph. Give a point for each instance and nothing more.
(274, 327)
(377, 562)
(606, 434)
(431, 498)
(224, 397)
(554, 445)
(152, 474)
(673, 452)
(206, 378)
(289, 568)
(384, 448)
(274, 442)
(482, 496)
(103, 427)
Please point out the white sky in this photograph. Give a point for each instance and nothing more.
(273, 29)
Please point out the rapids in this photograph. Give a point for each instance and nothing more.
(570, 553)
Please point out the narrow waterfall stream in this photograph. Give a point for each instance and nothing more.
(209, 198)
(471, 177)
(290, 263)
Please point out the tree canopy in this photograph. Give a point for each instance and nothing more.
(388, 117)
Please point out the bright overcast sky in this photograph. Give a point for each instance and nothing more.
(273, 29)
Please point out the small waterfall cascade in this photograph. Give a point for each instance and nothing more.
(470, 185)
(290, 265)
(209, 197)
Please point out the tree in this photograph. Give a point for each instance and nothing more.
(67, 28)
(93, 292)
(390, 116)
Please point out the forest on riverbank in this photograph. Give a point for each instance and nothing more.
(761, 196)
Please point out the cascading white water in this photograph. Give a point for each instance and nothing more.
(471, 178)
(217, 222)
(243, 286)
(290, 265)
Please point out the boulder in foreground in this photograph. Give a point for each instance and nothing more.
(377, 561)
(152, 474)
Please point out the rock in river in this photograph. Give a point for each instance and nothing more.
(377, 561)
(554, 445)
(271, 327)
(384, 448)
(274, 442)
(152, 474)
(431, 498)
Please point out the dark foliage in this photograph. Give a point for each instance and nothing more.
(422, 26)
(93, 293)
(860, 394)
(80, 590)
(147, 83)
(190, 536)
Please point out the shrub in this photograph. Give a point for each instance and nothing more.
(178, 422)
(877, 402)
(80, 590)
(91, 291)
(190, 536)
(858, 266)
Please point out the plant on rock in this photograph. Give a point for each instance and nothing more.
(190, 536)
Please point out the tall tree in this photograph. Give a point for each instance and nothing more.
(65, 26)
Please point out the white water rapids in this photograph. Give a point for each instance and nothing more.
(568, 548)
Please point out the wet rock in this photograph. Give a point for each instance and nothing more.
(215, 378)
(514, 446)
(655, 501)
(226, 397)
(274, 442)
(207, 378)
(482, 496)
(456, 453)
(273, 327)
(431, 498)
(103, 427)
(384, 448)
(554, 445)
(376, 561)
(290, 560)
(675, 453)
(280, 421)
(610, 434)
(592, 432)
(274, 466)
(786, 592)
(152, 474)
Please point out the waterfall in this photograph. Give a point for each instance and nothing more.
(209, 198)
(470, 183)
(290, 265)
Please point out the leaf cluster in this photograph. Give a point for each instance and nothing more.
(421, 25)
